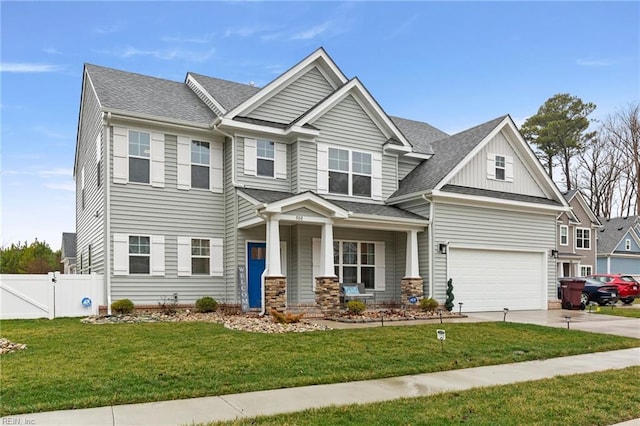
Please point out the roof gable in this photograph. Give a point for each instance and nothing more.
(613, 231)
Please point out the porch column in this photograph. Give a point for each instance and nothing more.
(411, 284)
(275, 284)
(327, 286)
(326, 251)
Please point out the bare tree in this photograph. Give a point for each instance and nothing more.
(623, 130)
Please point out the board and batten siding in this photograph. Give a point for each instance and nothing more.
(489, 228)
(90, 218)
(141, 209)
(295, 99)
(261, 182)
(474, 173)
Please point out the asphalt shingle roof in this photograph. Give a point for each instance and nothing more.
(612, 232)
(228, 93)
(421, 135)
(361, 208)
(141, 94)
(448, 153)
(499, 194)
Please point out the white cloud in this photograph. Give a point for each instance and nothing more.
(168, 54)
(50, 133)
(56, 172)
(71, 187)
(29, 68)
(311, 32)
(180, 39)
(108, 29)
(51, 51)
(590, 62)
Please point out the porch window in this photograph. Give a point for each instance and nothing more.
(564, 235)
(200, 159)
(355, 262)
(139, 156)
(585, 270)
(583, 238)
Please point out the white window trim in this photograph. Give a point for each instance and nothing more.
(216, 256)
(508, 167)
(121, 254)
(566, 235)
(121, 157)
(191, 164)
(627, 244)
(259, 157)
(251, 158)
(589, 272)
(583, 239)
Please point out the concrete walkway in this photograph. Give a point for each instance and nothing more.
(229, 407)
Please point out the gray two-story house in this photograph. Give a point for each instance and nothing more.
(270, 197)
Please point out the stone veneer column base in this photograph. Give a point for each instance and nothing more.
(411, 287)
(328, 294)
(554, 304)
(275, 294)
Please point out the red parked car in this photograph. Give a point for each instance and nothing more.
(628, 287)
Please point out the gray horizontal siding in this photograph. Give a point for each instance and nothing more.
(491, 228)
(307, 176)
(295, 99)
(259, 182)
(405, 167)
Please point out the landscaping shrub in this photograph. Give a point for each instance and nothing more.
(206, 304)
(122, 306)
(448, 304)
(356, 306)
(169, 304)
(287, 318)
(428, 304)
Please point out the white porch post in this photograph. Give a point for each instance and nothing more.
(412, 270)
(326, 251)
(273, 248)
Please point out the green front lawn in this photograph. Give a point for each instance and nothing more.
(68, 364)
(585, 399)
(619, 312)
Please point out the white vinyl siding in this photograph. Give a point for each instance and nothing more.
(184, 164)
(216, 264)
(122, 156)
(121, 254)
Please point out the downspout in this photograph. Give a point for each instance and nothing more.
(431, 245)
(107, 207)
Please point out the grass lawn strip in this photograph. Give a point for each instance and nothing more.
(585, 399)
(619, 312)
(69, 365)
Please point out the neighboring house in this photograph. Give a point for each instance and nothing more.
(619, 246)
(68, 253)
(577, 242)
(269, 197)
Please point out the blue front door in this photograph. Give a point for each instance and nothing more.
(256, 255)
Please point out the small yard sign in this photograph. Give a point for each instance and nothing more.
(442, 335)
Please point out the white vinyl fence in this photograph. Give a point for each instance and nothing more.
(50, 296)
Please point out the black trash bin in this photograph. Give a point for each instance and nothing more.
(572, 293)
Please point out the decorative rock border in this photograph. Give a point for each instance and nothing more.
(392, 315)
(7, 347)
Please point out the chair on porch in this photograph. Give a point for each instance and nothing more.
(354, 291)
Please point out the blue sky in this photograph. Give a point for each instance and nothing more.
(453, 65)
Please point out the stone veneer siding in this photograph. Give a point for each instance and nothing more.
(275, 294)
(411, 287)
(328, 294)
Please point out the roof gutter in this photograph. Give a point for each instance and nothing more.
(107, 207)
(154, 120)
(431, 243)
(215, 126)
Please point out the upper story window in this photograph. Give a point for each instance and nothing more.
(583, 238)
(265, 158)
(500, 167)
(349, 172)
(139, 156)
(564, 235)
(627, 244)
(200, 159)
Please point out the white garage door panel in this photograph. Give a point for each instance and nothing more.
(490, 280)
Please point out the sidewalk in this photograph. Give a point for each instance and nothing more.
(229, 407)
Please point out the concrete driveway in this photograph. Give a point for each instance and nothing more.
(579, 320)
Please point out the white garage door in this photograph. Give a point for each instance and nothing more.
(490, 280)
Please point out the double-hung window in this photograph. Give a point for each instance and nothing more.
(585, 270)
(139, 254)
(500, 167)
(349, 172)
(265, 158)
(139, 156)
(200, 256)
(564, 235)
(355, 262)
(583, 238)
(200, 167)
